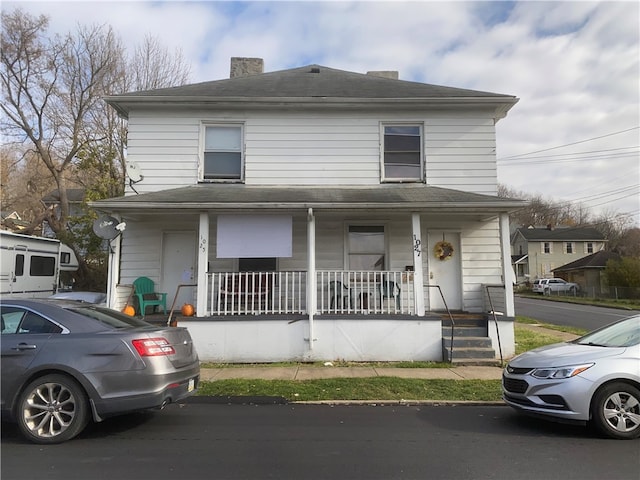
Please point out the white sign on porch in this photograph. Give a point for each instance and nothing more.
(254, 236)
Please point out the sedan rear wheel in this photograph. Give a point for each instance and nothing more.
(616, 411)
(52, 409)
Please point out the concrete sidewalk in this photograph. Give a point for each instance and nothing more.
(301, 372)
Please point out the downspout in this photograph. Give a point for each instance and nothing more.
(203, 260)
(113, 272)
(311, 273)
(418, 290)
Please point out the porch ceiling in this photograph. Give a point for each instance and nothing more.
(225, 197)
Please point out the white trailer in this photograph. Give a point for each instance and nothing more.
(33, 267)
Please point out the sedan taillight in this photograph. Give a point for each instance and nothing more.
(153, 347)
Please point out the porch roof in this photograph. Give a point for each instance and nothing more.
(251, 197)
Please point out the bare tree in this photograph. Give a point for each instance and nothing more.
(616, 227)
(25, 181)
(52, 89)
(153, 66)
(545, 211)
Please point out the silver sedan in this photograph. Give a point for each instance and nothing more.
(593, 379)
(66, 363)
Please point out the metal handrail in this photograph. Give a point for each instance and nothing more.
(495, 320)
(175, 297)
(453, 323)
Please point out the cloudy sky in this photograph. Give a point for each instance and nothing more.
(574, 136)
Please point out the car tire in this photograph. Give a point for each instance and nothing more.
(615, 411)
(572, 290)
(52, 409)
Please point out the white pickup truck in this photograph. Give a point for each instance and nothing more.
(546, 286)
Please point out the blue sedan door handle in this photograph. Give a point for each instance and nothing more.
(25, 346)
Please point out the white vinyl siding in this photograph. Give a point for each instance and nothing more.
(315, 148)
(481, 261)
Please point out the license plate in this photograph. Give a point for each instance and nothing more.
(192, 385)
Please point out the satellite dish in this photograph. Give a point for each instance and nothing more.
(134, 172)
(107, 227)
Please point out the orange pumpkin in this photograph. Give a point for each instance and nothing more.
(187, 310)
(129, 310)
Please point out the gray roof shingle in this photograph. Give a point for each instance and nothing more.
(310, 84)
(313, 81)
(595, 260)
(559, 234)
(224, 196)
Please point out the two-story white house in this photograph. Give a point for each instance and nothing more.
(537, 251)
(317, 214)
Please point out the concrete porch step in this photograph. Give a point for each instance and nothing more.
(484, 362)
(467, 342)
(480, 331)
(472, 352)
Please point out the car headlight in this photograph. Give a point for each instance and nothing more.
(561, 372)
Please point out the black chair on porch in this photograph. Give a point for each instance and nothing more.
(389, 289)
(339, 291)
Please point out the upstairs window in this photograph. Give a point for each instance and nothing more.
(402, 153)
(588, 247)
(569, 247)
(222, 156)
(546, 247)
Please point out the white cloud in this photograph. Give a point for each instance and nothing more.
(574, 65)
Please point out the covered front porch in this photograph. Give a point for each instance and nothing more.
(358, 274)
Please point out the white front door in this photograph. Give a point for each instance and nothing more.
(446, 272)
(179, 267)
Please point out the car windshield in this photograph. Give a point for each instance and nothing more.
(109, 317)
(621, 334)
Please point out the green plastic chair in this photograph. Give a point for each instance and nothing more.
(147, 297)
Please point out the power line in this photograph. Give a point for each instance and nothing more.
(570, 144)
(572, 157)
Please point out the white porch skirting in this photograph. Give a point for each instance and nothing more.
(358, 340)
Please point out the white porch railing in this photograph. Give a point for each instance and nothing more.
(254, 293)
(365, 292)
(338, 292)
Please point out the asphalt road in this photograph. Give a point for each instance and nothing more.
(212, 441)
(569, 314)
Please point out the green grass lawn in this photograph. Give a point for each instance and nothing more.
(380, 388)
(374, 388)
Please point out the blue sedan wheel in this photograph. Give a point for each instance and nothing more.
(52, 409)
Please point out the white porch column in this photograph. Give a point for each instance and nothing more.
(203, 260)
(113, 272)
(507, 269)
(311, 273)
(418, 293)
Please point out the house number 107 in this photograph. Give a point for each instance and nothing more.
(416, 244)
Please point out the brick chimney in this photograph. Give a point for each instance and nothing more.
(392, 74)
(244, 66)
